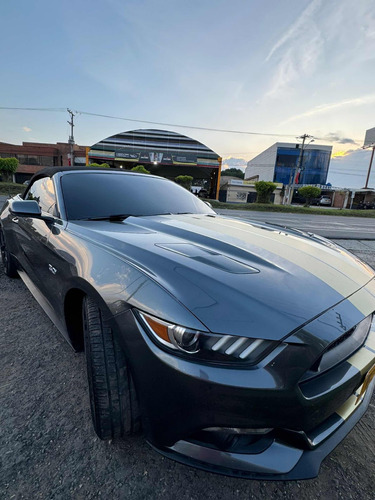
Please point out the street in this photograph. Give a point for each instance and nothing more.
(329, 226)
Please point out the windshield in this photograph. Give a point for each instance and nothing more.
(109, 194)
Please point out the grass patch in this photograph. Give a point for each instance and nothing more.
(11, 188)
(259, 207)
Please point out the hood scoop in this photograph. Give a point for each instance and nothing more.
(209, 257)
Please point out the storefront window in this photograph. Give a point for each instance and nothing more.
(47, 161)
(33, 160)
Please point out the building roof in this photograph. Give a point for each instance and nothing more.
(154, 146)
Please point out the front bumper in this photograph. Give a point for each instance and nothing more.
(179, 399)
(279, 461)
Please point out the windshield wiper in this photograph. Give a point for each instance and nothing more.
(114, 217)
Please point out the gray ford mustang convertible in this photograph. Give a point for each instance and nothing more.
(240, 348)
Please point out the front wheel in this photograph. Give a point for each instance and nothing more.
(10, 268)
(113, 401)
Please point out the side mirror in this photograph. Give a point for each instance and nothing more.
(25, 208)
(28, 208)
(208, 203)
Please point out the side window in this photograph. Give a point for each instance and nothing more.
(43, 192)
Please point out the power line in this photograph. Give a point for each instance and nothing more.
(152, 122)
(193, 127)
(344, 173)
(349, 170)
(185, 126)
(201, 128)
(34, 109)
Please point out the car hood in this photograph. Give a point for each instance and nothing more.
(237, 277)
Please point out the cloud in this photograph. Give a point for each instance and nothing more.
(333, 106)
(297, 28)
(235, 162)
(302, 48)
(316, 45)
(338, 138)
(26, 129)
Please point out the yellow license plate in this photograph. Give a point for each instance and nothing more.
(369, 376)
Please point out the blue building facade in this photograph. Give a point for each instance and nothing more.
(315, 165)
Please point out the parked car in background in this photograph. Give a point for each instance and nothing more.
(325, 201)
(203, 193)
(366, 205)
(241, 348)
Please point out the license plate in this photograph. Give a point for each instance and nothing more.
(369, 376)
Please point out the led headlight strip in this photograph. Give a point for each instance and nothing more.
(207, 345)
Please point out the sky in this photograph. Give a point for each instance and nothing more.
(260, 66)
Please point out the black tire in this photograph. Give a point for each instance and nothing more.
(10, 269)
(113, 401)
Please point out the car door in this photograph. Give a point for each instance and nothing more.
(33, 235)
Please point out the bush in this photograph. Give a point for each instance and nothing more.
(264, 190)
(309, 192)
(101, 165)
(140, 169)
(11, 188)
(7, 168)
(184, 181)
(234, 172)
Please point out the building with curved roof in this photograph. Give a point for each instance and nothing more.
(163, 153)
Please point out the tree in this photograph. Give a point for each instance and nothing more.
(234, 172)
(101, 165)
(140, 169)
(184, 181)
(7, 168)
(264, 190)
(309, 192)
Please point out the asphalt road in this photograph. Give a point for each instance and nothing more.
(325, 225)
(328, 226)
(48, 449)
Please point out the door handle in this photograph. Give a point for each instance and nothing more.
(15, 220)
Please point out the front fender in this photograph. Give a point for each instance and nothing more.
(117, 284)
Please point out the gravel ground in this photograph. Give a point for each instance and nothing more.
(48, 448)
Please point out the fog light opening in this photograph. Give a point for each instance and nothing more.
(234, 439)
(238, 430)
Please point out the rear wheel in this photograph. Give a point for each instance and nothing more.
(10, 268)
(113, 401)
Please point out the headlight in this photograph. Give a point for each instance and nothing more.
(204, 346)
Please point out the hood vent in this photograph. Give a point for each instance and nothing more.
(209, 257)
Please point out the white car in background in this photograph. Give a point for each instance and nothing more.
(325, 200)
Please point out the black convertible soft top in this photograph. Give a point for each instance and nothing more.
(50, 171)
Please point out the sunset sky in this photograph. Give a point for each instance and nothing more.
(261, 66)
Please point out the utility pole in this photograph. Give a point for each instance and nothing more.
(369, 167)
(369, 143)
(294, 173)
(71, 137)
